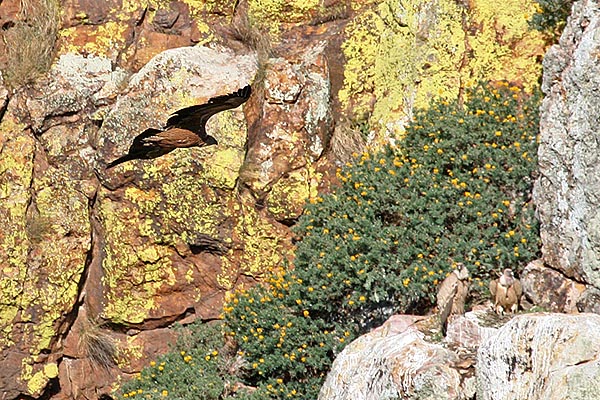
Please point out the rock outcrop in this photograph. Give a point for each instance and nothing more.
(541, 356)
(568, 189)
(394, 361)
(549, 289)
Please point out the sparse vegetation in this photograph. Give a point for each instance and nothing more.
(30, 42)
(97, 345)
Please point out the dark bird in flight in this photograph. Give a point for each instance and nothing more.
(185, 128)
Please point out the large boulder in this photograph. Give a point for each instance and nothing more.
(541, 356)
(394, 361)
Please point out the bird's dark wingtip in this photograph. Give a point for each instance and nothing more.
(246, 91)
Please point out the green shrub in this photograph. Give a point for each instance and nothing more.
(201, 366)
(456, 189)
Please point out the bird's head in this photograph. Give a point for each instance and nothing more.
(507, 277)
(461, 271)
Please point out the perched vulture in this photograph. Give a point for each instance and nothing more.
(185, 128)
(506, 292)
(452, 294)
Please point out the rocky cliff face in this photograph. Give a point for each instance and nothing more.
(567, 190)
(114, 257)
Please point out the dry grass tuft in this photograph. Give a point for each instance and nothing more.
(347, 140)
(30, 42)
(97, 345)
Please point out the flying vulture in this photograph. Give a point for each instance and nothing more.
(185, 128)
(452, 294)
(506, 292)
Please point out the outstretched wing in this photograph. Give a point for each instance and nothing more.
(194, 118)
(142, 148)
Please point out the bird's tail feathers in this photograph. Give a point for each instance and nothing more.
(120, 160)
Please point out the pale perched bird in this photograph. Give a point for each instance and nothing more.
(506, 292)
(185, 128)
(452, 294)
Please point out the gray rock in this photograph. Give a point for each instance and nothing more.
(540, 357)
(392, 362)
(567, 192)
(589, 301)
(549, 289)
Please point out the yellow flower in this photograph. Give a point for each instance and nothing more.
(165, 393)
(306, 313)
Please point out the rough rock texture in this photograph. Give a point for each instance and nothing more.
(469, 330)
(47, 186)
(392, 362)
(149, 242)
(589, 301)
(122, 254)
(291, 133)
(541, 356)
(549, 289)
(568, 189)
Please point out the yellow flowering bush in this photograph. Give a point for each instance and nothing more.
(456, 189)
(200, 366)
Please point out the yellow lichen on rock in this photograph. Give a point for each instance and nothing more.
(132, 273)
(288, 196)
(505, 47)
(16, 173)
(400, 56)
(403, 54)
(105, 40)
(37, 382)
